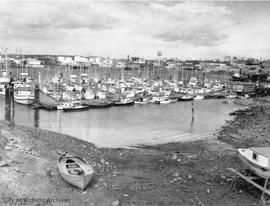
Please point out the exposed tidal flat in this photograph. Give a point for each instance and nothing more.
(177, 173)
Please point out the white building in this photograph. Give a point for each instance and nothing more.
(80, 59)
(33, 63)
(65, 60)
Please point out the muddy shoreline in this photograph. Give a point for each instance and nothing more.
(189, 173)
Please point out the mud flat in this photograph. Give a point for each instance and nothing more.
(190, 173)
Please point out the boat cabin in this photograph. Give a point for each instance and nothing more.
(259, 155)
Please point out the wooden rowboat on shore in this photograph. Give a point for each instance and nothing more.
(75, 170)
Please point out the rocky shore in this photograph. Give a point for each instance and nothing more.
(190, 173)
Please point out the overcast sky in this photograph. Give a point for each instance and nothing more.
(116, 29)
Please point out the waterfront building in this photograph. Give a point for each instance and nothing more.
(65, 60)
(33, 63)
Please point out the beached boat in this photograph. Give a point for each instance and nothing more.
(75, 170)
(24, 95)
(257, 160)
(124, 102)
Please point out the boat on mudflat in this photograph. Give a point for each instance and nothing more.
(75, 170)
(257, 159)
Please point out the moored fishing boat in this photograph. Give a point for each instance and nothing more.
(155, 100)
(231, 96)
(186, 98)
(89, 95)
(76, 107)
(173, 99)
(142, 101)
(24, 95)
(75, 170)
(124, 102)
(99, 104)
(198, 97)
(164, 100)
(257, 159)
(65, 105)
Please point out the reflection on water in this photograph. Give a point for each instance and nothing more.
(126, 126)
(9, 108)
(36, 118)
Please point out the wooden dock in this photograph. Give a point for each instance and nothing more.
(250, 178)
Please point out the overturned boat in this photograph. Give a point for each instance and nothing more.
(75, 170)
(257, 160)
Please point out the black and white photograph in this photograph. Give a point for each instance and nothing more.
(134, 103)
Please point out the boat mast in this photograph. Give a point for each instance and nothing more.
(6, 60)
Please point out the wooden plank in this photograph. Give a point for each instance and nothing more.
(249, 180)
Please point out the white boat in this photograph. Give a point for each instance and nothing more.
(4, 80)
(101, 95)
(231, 96)
(198, 97)
(186, 98)
(257, 160)
(165, 100)
(75, 171)
(24, 95)
(124, 102)
(174, 99)
(89, 95)
(65, 105)
(141, 101)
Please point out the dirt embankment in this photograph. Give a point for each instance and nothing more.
(191, 173)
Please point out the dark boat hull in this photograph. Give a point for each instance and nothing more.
(185, 99)
(99, 105)
(123, 104)
(76, 109)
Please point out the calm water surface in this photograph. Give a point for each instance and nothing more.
(129, 126)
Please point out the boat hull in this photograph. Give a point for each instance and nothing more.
(76, 109)
(123, 103)
(255, 168)
(80, 181)
(24, 101)
(185, 99)
(140, 102)
(97, 105)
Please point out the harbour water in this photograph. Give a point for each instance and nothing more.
(129, 126)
